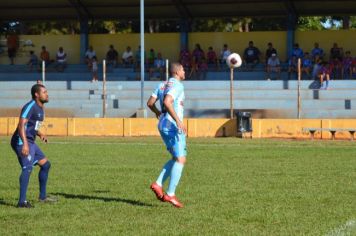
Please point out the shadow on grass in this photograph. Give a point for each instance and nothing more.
(2, 202)
(105, 199)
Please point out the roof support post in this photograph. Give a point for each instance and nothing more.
(84, 39)
(184, 34)
(291, 25)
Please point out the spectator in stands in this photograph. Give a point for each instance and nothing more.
(158, 66)
(185, 58)
(198, 54)
(316, 67)
(317, 51)
(292, 66)
(94, 68)
(202, 69)
(61, 60)
(89, 54)
(33, 61)
(353, 67)
(336, 52)
(324, 74)
(297, 51)
(251, 56)
(112, 56)
(225, 52)
(335, 68)
(212, 58)
(270, 50)
(45, 56)
(307, 65)
(127, 57)
(12, 41)
(273, 65)
(346, 69)
(151, 57)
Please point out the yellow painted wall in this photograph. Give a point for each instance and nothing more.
(97, 126)
(127, 127)
(166, 43)
(70, 44)
(169, 43)
(238, 41)
(211, 127)
(344, 38)
(4, 126)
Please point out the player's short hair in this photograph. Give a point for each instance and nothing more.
(36, 89)
(175, 66)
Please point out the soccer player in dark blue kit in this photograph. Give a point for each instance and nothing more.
(23, 143)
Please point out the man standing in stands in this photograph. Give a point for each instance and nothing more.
(27, 151)
(61, 59)
(251, 56)
(173, 133)
(45, 56)
(112, 56)
(12, 41)
(270, 50)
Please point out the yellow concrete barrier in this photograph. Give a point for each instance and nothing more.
(127, 127)
(4, 126)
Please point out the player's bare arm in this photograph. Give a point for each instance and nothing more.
(151, 103)
(22, 133)
(42, 136)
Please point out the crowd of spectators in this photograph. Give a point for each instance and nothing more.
(314, 64)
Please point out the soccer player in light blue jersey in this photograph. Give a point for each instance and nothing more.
(173, 132)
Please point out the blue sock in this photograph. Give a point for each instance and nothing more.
(166, 171)
(42, 177)
(327, 84)
(176, 173)
(24, 179)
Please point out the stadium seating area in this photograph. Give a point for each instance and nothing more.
(73, 95)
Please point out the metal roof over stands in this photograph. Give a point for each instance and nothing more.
(168, 9)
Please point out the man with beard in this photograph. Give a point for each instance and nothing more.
(27, 151)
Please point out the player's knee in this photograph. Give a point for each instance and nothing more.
(46, 165)
(181, 160)
(27, 168)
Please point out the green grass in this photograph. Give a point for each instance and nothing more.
(229, 187)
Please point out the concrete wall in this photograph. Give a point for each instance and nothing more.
(127, 127)
(169, 43)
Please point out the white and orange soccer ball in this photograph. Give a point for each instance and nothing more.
(233, 60)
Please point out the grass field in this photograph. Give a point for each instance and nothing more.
(229, 187)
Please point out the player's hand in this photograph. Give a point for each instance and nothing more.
(25, 150)
(158, 114)
(43, 138)
(182, 127)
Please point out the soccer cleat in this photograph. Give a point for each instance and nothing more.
(173, 200)
(157, 190)
(48, 199)
(24, 204)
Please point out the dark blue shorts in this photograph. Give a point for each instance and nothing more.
(34, 156)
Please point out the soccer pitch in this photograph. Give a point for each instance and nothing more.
(229, 186)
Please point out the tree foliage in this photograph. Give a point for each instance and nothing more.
(232, 24)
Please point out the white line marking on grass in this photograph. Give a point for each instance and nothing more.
(347, 229)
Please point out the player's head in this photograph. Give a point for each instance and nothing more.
(39, 93)
(177, 71)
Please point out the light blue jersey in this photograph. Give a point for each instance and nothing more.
(175, 89)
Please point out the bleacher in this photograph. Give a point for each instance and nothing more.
(80, 72)
(73, 95)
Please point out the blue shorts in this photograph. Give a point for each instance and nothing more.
(175, 143)
(34, 156)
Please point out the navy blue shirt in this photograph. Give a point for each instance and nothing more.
(35, 116)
